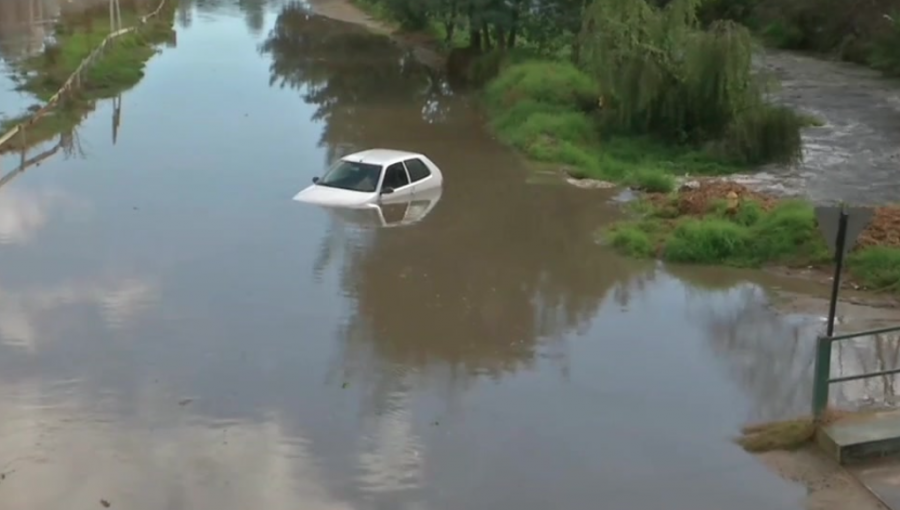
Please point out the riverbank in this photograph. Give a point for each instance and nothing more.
(119, 68)
(724, 223)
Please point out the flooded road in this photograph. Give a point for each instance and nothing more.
(177, 333)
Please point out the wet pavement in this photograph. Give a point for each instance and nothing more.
(176, 332)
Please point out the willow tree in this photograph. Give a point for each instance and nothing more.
(661, 73)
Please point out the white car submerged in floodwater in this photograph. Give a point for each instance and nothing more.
(373, 177)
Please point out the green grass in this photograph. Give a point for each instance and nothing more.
(747, 237)
(877, 268)
(548, 110)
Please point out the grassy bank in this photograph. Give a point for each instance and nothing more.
(550, 111)
(725, 224)
(118, 69)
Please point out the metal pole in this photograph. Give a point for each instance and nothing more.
(840, 243)
(821, 375)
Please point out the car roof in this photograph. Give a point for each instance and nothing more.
(380, 156)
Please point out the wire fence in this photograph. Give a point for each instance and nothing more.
(74, 80)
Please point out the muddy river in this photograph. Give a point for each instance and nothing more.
(177, 333)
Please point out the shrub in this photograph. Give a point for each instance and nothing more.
(572, 127)
(652, 180)
(709, 241)
(884, 54)
(631, 240)
(557, 84)
(877, 268)
(789, 233)
(748, 214)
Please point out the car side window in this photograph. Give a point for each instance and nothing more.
(418, 170)
(395, 177)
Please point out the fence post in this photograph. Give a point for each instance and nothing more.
(821, 375)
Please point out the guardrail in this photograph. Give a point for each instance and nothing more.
(74, 79)
(822, 379)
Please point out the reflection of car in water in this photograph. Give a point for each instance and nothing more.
(375, 176)
(394, 214)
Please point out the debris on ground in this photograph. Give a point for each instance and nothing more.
(884, 229)
(696, 197)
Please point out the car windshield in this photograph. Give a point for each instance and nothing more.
(352, 176)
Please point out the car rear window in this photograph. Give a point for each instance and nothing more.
(417, 169)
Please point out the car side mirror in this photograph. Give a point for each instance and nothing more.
(315, 180)
(387, 191)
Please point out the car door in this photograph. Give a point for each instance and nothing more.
(419, 174)
(397, 179)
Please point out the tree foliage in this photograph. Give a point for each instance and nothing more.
(547, 25)
(661, 72)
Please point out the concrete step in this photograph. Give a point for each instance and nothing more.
(866, 437)
(882, 478)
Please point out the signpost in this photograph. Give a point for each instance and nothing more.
(840, 226)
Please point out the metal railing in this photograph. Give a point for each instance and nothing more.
(822, 379)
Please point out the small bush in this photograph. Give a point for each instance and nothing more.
(789, 233)
(652, 180)
(710, 241)
(511, 118)
(486, 67)
(769, 134)
(748, 214)
(883, 54)
(550, 83)
(631, 240)
(878, 268)
(784, 34)
(568, 126)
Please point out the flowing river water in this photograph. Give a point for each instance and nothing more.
(177, 333)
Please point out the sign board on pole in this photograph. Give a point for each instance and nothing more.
(857, 220)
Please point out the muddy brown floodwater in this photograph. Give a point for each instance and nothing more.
(177, 333)
(853, 156)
